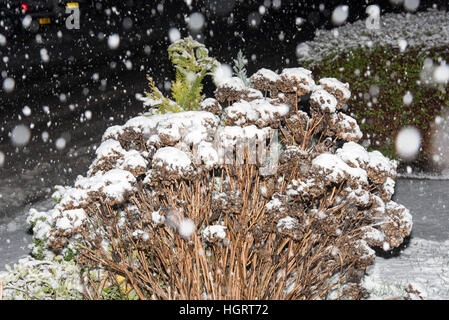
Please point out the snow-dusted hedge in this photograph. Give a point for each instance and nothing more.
(165, 188)
(424, 30)
(398, 75)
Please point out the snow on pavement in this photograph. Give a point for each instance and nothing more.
(428, 203)
(424, 264)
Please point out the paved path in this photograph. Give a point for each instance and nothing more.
(428, 202)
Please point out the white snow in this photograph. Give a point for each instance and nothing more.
(233, 83)
(243, 112)
(174, 34)
(60, 143)
(28, 278)
(411, 5)
(171, 157)
(206, 154)
(326, 101)
(336, 169)
(301, 75)
(208, 102)
(302, 50)
(405, 218)
(9, 84)
(71, 219)
(26, 111)
(266, 74)
(157, 218)
(132, 159)
(287, 223)
(336, 85)
(408, 142)
(109, 148)
(186, 228)
(114, 184)
(299, 21)
(222, 73)
(214, 232)
(113, 41)
(44, 55)
(423, 264)
(423, 30)
(441, 74)
(408, 98)
(266, 110)
(273, 204)
(389, 185)
(26, 21)
(3, 40)
(196, 21)
(402, 43)
(373, 20)
(353, 154)
(351, 128)
(378, 161)
(20, 135)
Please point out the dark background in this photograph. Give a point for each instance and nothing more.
(80, 53)
(84, 74)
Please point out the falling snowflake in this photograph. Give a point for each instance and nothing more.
(441, 74)
(186, 228)
(9, 84)
(113, 41)
(174, 34)
(408, 143)
(20, 135)
(340, 14)
(408, 98)
(2, 159)
(196, 22)
(411, 5)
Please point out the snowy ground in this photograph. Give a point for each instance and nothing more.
(14, 236)
(424, 264)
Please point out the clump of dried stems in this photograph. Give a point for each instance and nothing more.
(255, 261)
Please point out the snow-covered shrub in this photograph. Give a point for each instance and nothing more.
(33, 279)
(267, 197)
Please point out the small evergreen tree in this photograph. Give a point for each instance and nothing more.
(240, 69)
(192, 62)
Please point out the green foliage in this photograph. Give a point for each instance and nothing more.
(192, 63)
(38, 252)
(32, 279)
(240, 68)
(69, 254)
(157, 100)
(393, 73)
